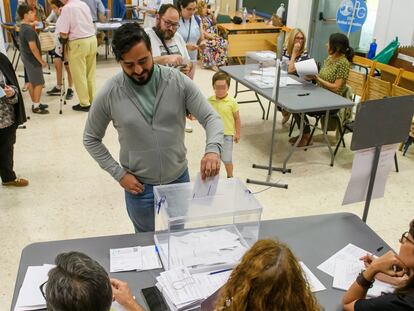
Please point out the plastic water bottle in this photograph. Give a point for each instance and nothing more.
(254, 14)
(244, 15)
(281, 11)
(372, 49)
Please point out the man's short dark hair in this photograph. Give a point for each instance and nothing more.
(221, 75)
(165, 7)
(57, 3)
(126, 36)
(23, 9)
(78, 283)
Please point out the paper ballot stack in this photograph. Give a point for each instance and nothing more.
(205, 249)
(185, 291)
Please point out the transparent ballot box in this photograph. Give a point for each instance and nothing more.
(205, 233)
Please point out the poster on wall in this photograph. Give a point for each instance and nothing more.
(351, 15)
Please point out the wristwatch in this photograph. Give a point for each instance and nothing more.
(363, 282)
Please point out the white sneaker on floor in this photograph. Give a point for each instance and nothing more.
(188, 128)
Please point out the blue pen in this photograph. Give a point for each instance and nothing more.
(220, 271)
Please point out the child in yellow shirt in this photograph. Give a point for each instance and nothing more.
(228, 109)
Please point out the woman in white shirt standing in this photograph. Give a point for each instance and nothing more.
(190, 29)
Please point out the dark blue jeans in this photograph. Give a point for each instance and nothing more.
(140, 207)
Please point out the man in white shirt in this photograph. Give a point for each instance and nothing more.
(168, 46)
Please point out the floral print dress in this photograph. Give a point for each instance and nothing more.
(215, 52)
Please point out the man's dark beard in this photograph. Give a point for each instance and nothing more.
(141, 83)
(162, 33)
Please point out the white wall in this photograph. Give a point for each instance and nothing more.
(299, 15)
(394, 18)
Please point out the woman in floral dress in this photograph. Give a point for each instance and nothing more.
(214, 54)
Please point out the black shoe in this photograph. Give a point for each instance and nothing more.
(54, 92)
(39, 110)
(78, 107)
(69, 94)
(43, 106)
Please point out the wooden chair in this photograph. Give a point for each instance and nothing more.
(376, 87)
(356, 80)
(407, 80)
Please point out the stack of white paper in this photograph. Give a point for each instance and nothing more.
(268, 81)
(134, 258)
(205, 248)
(345, 265)
(306, 68)
(185, 291)
(30, 297)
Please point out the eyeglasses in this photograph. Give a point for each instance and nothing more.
(170, 24)
(300, 38)
(42, 289)
(404, 238)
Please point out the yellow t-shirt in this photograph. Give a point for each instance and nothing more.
(225, 108)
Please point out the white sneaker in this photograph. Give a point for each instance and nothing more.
(188, 128)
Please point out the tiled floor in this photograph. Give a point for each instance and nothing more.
(69, 196)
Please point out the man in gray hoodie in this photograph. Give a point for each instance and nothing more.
(147, 104)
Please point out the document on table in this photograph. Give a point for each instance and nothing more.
(306, 68)
(314, 283)
(268, 81)
(134, 258)
(349, 252)
(30, 297)
(108, 25)
(361, 173)
(346, 271)
(205, 188)
(183, 290)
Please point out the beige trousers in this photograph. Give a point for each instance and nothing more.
(82, 63)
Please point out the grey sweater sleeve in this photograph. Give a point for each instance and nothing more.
(198, 106)
(96, 125)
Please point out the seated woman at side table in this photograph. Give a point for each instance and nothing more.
(294, 51)
(269, 277)
(399, 268)
(332, 76)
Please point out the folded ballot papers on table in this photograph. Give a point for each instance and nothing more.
(205, 226)
(345, 265)
(183, 290)
(138, 258)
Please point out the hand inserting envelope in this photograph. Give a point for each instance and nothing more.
(306, 68)
(205, 188)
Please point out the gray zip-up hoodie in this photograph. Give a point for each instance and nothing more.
(154, 152)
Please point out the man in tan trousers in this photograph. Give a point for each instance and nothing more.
(75, 24)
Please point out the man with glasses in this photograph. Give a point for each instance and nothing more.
(168, 46)
(79, 283)
(147, 104)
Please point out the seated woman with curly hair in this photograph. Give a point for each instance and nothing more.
(269, 278)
